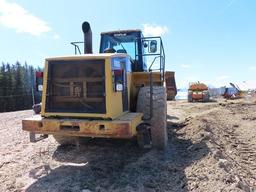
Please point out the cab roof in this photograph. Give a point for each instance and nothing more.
(89, 56)
(121, 31)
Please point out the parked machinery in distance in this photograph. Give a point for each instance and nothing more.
(198, 92)
(233, 92)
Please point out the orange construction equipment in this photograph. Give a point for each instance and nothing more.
(198, 92)
(233, 93)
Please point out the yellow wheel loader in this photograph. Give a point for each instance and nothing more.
(117, 93)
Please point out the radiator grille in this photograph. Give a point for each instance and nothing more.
(76, 86)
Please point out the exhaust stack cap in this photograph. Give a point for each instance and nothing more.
(87, 37)
(86, 27)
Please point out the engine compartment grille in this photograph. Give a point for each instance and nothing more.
(76, 86)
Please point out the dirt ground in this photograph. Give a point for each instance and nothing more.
(212, 147)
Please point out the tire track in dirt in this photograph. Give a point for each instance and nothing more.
(211, 148)
(234, 146)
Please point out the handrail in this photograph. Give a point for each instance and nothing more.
(76, 45)
(161, 56)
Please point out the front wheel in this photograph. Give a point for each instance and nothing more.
(70, 140)
(158, 120)
(206, 97)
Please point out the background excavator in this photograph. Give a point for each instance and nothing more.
(233, 93)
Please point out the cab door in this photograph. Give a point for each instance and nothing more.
(119, 71)
(125, 90)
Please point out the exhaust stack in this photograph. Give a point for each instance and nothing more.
(87, 37)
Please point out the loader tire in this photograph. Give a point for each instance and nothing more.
(158, 120)
(169, 97)
(190, 98)
(65, 140)
(206, 97)
(69, 140)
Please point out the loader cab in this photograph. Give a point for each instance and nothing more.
(146, 53)
(128, 42)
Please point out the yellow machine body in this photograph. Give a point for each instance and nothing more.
(122, 127)
(113, 99)
(95, 95)
(114, 123)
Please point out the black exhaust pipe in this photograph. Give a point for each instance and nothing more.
(87, 37)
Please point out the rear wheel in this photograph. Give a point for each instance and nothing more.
(158, 120)
(70, 140)
(190, 98)
(206, 97)
(170, 95)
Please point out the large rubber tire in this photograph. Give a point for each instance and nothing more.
(158, 120)
(65, 140)
(69, 140)
(170, 95)
(206, 97)
(190, 98)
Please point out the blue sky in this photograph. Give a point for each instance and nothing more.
(213, 41)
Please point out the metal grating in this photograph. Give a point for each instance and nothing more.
(76, 86)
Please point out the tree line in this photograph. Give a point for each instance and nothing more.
(17, 87)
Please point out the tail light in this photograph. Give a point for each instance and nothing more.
(39, 80)
(117, 77)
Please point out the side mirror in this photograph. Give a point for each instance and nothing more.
(145, 45)
(39, 81)
(153, 46)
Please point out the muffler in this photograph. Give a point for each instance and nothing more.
(87, 37)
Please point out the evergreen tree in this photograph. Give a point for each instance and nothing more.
(3, 88)
(16, 84)
(9, 84)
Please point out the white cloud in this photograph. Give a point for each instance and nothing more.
(56, 36)
(230, 3)
(223, 77)
(185, 66)
(252, 68)
(154, 30)
(16, 17)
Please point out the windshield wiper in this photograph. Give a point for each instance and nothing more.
(122, 46)
(119, 42)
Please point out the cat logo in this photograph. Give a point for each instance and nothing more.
(77, 91)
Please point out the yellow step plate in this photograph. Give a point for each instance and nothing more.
(122, 127)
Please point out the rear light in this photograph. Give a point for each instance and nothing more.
(117, 79)
(39, 74)
(39, 80)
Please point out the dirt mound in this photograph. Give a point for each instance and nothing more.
(211, 147)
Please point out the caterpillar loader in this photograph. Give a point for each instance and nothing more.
(111, 94)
